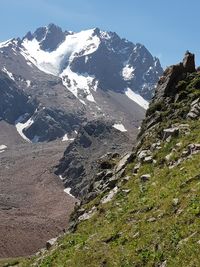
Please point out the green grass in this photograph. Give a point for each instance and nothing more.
(144, 227)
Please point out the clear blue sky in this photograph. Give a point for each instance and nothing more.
(167, 28)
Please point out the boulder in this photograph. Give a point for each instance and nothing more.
(145, 177)
(51, 242)
(170, 132)
(136, 167)
(141, 155)
(123, 162)
(148, 159)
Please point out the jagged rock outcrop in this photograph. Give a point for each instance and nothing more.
(168, 81)
(170, 91)
(87, 166)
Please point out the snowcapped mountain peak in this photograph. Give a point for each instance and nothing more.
(93, 74)
(49, 37)
(92, 57)
(54, 61)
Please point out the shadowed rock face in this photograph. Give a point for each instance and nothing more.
(13, 102)
(169, 92)
(81, 160)
(173, 74)
(49, 37)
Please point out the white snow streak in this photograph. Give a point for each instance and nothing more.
(21, 126)
(120, 127)
(28, 83)
(10, 75)
(75, 82)
(66, 138)
(136, 98)
(67, 190)
(2, 148)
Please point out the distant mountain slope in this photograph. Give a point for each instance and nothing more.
(88, 75)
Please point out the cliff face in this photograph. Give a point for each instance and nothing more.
(151, 216)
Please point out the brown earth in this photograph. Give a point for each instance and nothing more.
(33, 206)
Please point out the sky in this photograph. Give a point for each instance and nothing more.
(166, 28)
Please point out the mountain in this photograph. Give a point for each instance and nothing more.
(78, 77)
(69, 104)
(150, 215)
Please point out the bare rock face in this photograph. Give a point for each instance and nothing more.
(83, 164)
(168, 92)
(189, 62)
(173, 74)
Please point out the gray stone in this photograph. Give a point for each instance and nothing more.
(141, 155)
(175, 201)
(126, 178)
(170, 132)
(126, 191)
(163, 264)
(194, 148)
(168, 157)
(185, 153)
(136, 167)
(151, 219)
(51, 242)
(145, 177)
(148, 159)
(123, 162)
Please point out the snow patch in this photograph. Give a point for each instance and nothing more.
(65, 138)
(68, 190)
(75, 82)
(120, 127)
(90, 98)
(128, 72)
(10, 75)
(2, 148)
(28, 83)
(21, 126)
(136, 98)
(61, 178)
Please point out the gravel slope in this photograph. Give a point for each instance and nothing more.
(33, 205)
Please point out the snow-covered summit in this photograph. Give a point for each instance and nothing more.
(92, 59)
(79, 76)
(54, 62)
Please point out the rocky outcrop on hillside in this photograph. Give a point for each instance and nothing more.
(87, 162)
(170, 95)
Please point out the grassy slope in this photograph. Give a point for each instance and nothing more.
(157, 221)
(121, 234)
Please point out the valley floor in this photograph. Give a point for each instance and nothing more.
(37, 211)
